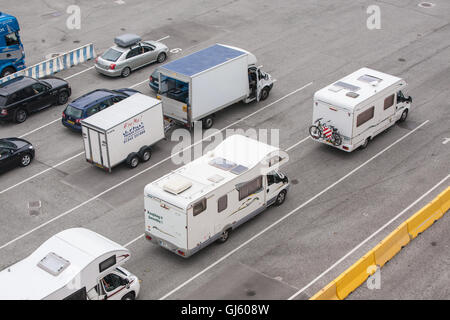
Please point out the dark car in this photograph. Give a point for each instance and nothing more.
(15, 152)
(22, 96)
(154, 81)
(91, 103)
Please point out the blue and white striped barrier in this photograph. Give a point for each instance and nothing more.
(56, 64)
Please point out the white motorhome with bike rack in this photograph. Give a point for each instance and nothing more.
(347, 114)
(75, 264)
(207, 198)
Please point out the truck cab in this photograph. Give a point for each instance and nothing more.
(260, 83)
(12, 55)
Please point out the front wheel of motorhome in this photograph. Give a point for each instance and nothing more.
(280, 198)
(129, 296)
(207, 122)
(224, 236)
(404, 115)
(132, 160)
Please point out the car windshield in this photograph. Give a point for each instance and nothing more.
(73, 112)
(111, 55)
(2, 100)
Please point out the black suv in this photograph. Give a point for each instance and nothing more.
(24, 95)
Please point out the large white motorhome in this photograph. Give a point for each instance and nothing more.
(348, 113)
(75, 264)
(205, 199)
(194, 87)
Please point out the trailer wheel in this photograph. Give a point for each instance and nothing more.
(264, 93)
(280, 198)
(129, 296)
(224, 236)
(145, 153)
(207, 122)
(366, 142)
(132, 160)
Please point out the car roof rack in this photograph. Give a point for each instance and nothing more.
(127, 40)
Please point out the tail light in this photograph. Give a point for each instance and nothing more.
(180, 252)
(63, 115)
(112, 66)
(345, 148)
(148, 237)
(96, 60)
(78, 121)
(151, 78)
(4, 112)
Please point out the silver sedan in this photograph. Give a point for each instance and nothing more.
(120, 60)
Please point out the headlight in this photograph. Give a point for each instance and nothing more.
(30, 147)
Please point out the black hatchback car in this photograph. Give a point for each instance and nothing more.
(22, 96)
(15, 152)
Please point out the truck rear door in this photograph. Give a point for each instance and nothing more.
(95, 147)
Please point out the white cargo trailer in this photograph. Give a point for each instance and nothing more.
(123, 132)
(75, 264)
(347, 114)
(196, 86)
(204, 200)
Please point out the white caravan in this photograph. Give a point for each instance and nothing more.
(75, 264)
(122, 132)
(205, 199)
(350, 112)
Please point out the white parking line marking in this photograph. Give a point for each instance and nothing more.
(90, 68)
(164, 38)
(293, 146)
(145, 170)
(42, 172)
(45, 125)
(367, 239)
(289, 214)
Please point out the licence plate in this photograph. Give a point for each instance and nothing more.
(71, 122)
(98, 165)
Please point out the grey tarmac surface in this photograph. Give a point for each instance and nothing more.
(299, 43)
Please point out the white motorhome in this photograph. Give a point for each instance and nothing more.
(348, 113)
(122, 132)
(75, 264)
(205, 199)
(194, 87)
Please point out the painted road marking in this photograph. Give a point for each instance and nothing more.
(290, 213)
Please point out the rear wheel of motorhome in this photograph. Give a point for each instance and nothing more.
(364, 145)
(20, 116)
(132, 160)
(404, 115)
(224, 236)
(280, 198)
(126, 72)
(145, 153)
(161, 57)
(264, 93)
(207, 122)
(314, 132)
(129, 296)
(7, 71)
(63, 97)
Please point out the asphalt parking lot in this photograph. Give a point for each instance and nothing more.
(336, 201)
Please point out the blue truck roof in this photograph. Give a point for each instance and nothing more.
(202, 60)
(8, 21)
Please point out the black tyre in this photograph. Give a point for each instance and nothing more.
(25, 160)
(264, 94)
(132, 160)
(129, 296)
(7, 71)
(20, 116)
(161, 57)
(126, 72)
(403, 116)
(145, 153)
(314, 132)
(63, 97)
(280, 198)
(224, 236)
(207, 122)
(337, 140)
(365, 144)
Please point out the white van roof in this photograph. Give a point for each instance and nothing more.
(67, 254)
(121, 111)
(352, 90)
(197, 178)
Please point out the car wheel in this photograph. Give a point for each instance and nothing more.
(63, 97)
(207, 122)
(161, 57)
(145, 154)
(129, 296)
(365, 144)
(224, 236)
(264, 94)
(20, 116)
(132, 160)
(126, 72)
(404, 116)
(7, 71)
(280, 198)
(25, 160)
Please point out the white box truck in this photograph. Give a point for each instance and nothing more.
(122, 132)
(204, 200)
(75, 264)
(347, 114)
(196, 86)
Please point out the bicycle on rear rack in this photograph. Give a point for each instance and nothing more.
(325, 131)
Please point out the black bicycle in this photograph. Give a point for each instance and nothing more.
(325, 131)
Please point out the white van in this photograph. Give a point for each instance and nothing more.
(204, 200)
(352, 111)
(75, 264)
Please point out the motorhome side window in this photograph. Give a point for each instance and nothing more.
(199, 207)
(250, 188)
(107, 263)
(222, 203)
(389, 102)
(365, 116)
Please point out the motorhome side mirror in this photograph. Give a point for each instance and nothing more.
(409, 99)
